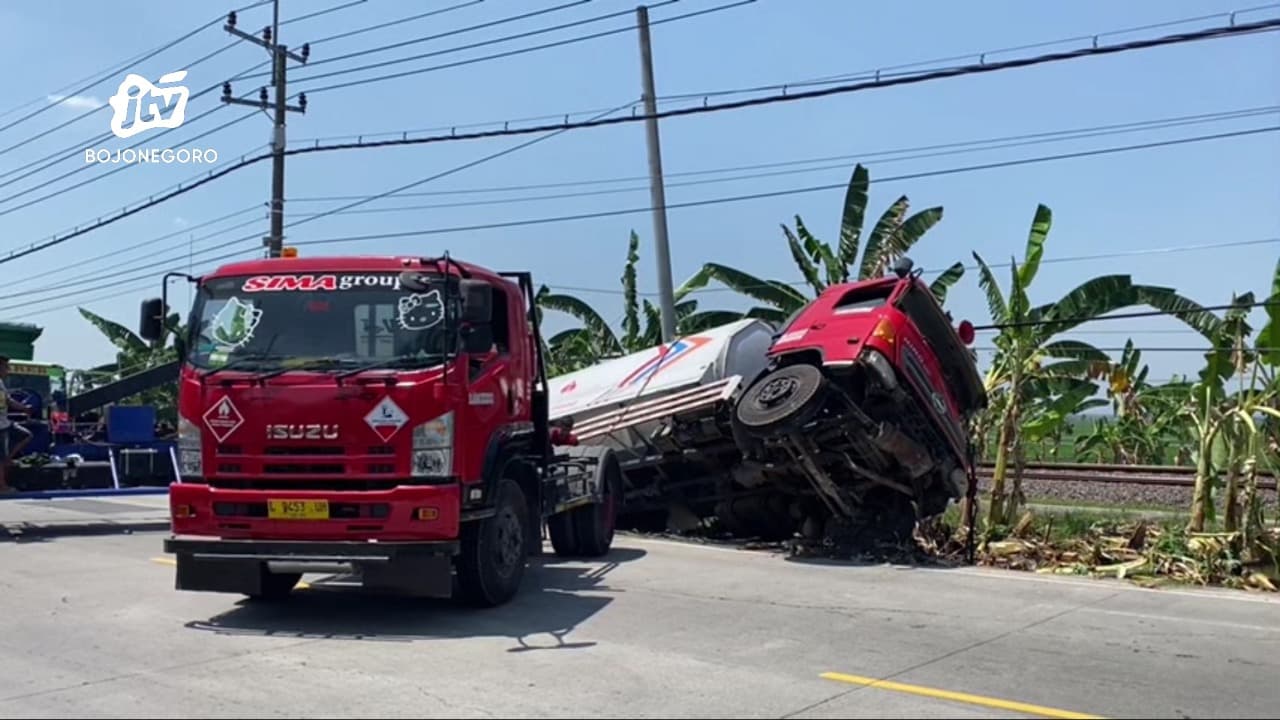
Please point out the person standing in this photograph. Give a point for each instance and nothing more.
(8, 428)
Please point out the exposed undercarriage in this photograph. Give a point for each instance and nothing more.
(849, 454)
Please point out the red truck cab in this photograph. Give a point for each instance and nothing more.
(870, 388)
(383, 417)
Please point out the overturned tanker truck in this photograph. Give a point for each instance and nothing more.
(851, 420)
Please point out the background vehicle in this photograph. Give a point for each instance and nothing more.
(866, 400)
(384, 417)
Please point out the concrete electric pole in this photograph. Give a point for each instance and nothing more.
(280, 56)
(662, 252)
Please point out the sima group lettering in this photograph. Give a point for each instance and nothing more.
(311, 283)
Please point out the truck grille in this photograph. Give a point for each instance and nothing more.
(335, 485)
(304, 468)
(308, 460)
(303, 450)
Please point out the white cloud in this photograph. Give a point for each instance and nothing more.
(180, 221)
(79, 102)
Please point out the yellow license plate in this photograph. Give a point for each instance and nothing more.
(298, 509)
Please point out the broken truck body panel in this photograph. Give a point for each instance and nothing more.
(382, 415)
(866, 401)
(667, 411)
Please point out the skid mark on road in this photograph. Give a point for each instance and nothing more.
(302, 584)
(982, 700)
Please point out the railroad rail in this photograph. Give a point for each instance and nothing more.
(1162, 475)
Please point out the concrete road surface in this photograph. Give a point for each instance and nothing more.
(92, 627)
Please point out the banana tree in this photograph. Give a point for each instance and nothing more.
(596, 339)
(1146, 423)
(1230, 441)
(134, 355)
(823, 265)
(1030, 335)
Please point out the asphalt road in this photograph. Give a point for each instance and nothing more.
(91, 626)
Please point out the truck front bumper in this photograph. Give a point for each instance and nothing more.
(421, 568)
(407, 513)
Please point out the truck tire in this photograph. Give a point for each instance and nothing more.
(491, 562)
(783, 399)
(595, 524)
(564, 534)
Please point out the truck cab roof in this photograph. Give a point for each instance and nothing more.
(351, 264)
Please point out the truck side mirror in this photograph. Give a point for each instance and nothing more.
(414, 281)
(151, 322)
(477, 302)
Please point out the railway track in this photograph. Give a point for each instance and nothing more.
(1158, 475)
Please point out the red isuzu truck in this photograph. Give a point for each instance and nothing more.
(383, 417)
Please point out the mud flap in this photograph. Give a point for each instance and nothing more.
(220, 575)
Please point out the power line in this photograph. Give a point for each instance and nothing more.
(887, 71)
(875, 73)
(566, 218)
(451, 33)
(511, 53)
(344, 208)
(396, 22)
(98, 79)
(240, 75)
(99, 178)
(1150, 349)
(1045, 261)
(1128, 316)
(1116, 127)
(107, 136)
(957, 71)
(470, 46)
(98, 273)
(961, 148)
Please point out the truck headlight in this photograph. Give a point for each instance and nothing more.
(880, 364)
(189, 460)
(433, 447)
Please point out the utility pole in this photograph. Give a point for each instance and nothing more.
(657, 195)
(280, 55)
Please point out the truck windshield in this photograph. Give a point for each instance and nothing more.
(319, 321)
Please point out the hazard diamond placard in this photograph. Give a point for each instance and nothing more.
(386, 418)
(223, 419)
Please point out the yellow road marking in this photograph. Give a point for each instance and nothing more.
(302, 585)
(956, 696)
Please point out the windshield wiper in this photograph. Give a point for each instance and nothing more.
(385, 363)
(249, 358)
(316, 364)
(239, 362)
(376, 365)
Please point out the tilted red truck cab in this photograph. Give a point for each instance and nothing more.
(866, 401)
(383, 417)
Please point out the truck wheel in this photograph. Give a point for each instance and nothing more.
(492, 559)
(788, 396)
(595, 524)
(564, 536)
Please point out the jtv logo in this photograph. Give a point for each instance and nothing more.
(140, 105)
(136, 91)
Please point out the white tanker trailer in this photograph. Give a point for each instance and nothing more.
(667, 413)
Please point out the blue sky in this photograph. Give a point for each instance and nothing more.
(1220, 191)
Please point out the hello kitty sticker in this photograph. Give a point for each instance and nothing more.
(420, 311)
(233, 325)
